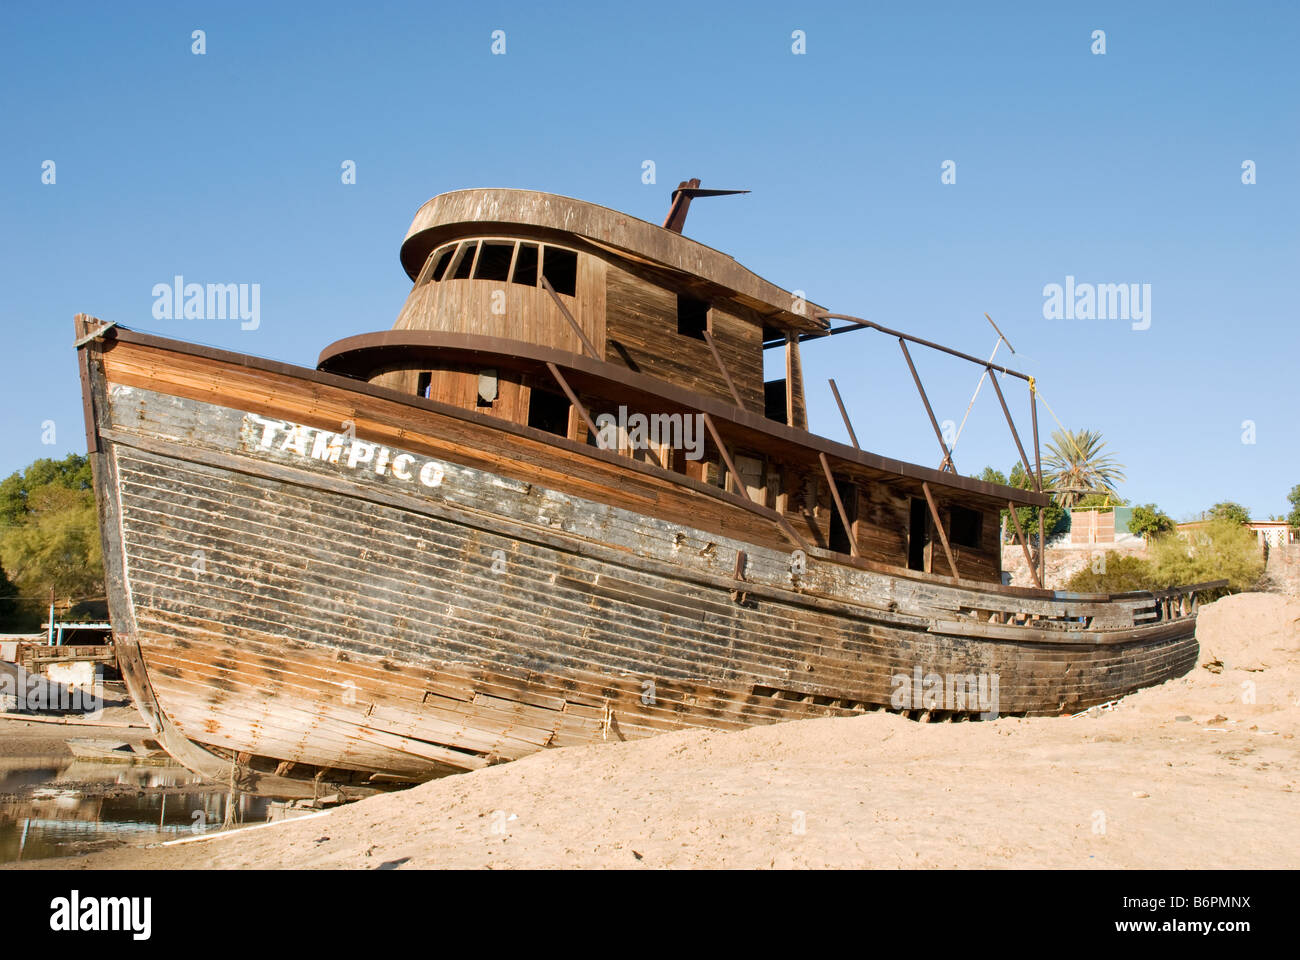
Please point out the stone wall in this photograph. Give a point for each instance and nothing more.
(1282, 574)
(1063, 562)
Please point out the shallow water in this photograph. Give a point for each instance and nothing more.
(54, 806)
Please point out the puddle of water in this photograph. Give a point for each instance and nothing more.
(56, 807)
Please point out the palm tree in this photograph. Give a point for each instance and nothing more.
(1076, 466)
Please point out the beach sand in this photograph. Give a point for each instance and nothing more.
(1199, 772)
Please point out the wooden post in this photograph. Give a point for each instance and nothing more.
(839, 505)
(793, 383)
(1024, 545)
(845, 414)
(947, 456)
(943, 536)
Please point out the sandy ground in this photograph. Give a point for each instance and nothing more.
(1200, 772)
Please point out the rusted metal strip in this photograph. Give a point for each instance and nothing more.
(93, 334)
(845, 414)
(781, 521)
(947, 456)
(1020, 536)
(839, 505)
(1038, 476)
(738, 595)
(938, 523)
(717, 358)
(1001, 336)
(907, 336)
(586, 343)
(726, 457)
(573, 399)
(1015, 434)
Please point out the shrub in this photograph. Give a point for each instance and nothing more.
(1113, 573)
(1222, 549)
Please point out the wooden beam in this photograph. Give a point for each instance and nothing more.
(839, 505)
(717, 358)
(845, 414)
(1020, 536)
(586, 343)
(1010, 423)
(943, 535)
(947, 456)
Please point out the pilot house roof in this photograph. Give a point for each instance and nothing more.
(461, 212)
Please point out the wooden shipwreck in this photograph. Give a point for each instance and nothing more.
(555, 504)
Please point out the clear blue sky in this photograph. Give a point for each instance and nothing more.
(1122, 168)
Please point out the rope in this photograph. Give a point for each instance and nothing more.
(1033, 388)
(229, 820)
(984, 373)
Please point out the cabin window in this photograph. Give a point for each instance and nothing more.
(548, 411)
(964, 527)
(751, 475)
(487, 388)
(774, 400)
(692, 317)
(560, 267)
(438, 262)
(494, 261)
(839, 541)
(464, 261)
(423, 384)
(526, 265)
(918, 534)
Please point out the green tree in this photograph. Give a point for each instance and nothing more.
(49, 537)
(1227, 510)
(1078, 465)
(1149, 521)
(8, 604)
(1053, 517)
(72, 473)
(1219, 549)
(1293, 517)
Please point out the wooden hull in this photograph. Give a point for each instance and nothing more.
(464, 596)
